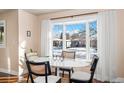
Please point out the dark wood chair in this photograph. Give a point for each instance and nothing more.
(31, 55)
(83, 77)
(45, 77)
(67, 55)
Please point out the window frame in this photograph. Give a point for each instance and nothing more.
(82, 19)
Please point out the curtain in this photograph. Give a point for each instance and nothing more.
(46, 38)
(107, 46)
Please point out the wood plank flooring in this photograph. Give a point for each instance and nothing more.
(14, 79)
(8, 78)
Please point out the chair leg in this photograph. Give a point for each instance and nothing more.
(55, 71)
(69, 75)
(70, 81)
(62, 73)
(27, 78)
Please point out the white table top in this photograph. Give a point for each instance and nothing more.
(69, 63)
(59, 63)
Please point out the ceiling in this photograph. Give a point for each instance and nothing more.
(37, 11)
(43, 11)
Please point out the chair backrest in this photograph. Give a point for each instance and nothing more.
(31, 55)
(68, 54)
(93, 67)
(46, 65)
(93, 59)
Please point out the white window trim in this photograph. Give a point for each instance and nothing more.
(84, 19)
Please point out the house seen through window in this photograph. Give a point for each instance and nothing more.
(80, 36)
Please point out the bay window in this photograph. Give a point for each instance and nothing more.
(78, 35)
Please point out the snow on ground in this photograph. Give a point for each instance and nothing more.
(80, 52)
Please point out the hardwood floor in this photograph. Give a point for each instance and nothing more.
(14, 79)
(8, 78)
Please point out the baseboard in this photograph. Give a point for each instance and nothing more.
(9, 72)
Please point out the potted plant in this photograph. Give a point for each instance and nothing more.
(31, 50)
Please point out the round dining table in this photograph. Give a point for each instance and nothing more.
(58, 63)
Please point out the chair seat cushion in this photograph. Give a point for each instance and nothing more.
(32, 58)
(51, 79)
(80, 76)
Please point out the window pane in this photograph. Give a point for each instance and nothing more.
(93, 38)
(57, 39)
(76, 39)
(2, 34)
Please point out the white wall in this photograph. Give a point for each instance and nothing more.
(17, 23)
(27, 22)
(9, 55)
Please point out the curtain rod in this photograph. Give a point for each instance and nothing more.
(73, 16)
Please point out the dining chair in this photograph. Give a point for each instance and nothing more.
(45, 76)
(83, 77)
(67, 55)
(31, 55)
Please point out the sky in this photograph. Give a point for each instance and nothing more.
(74, 27)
